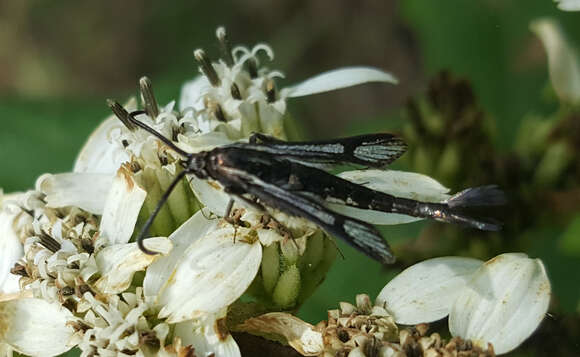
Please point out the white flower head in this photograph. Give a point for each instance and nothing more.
(243, 97)
(501, 301)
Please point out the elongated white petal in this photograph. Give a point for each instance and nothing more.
(425, 291)
(118, 263)
(87, 191)
(35, 327)
(504, 302)
(211, 338)
(397, 183)
(10, 249)
(122, 208)
(337, 79)
(299, 334)
(212, 273)
(159, 272)
(102, 154)
(211, 194)
(563, 61)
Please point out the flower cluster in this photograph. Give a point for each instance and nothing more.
(71, 274)
(493, 307)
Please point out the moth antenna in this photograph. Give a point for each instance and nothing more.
(130, 122)
(157, 134)
(141, 237)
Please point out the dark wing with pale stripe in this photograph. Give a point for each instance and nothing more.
(373, 150)
(358, 234)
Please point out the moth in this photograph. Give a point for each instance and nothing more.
(267, 172)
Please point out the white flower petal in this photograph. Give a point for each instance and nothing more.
(192, 93)
(212, 273)
(101, 154)
(568, 5)
(118, 263)
(271, 121)
(159, 272)
(10, 248)
(87, 191)
(425, 291)
(35, 327)
(211, 194)
(503, 304)
(563, 62)
(210, 338)
(204, 142)
(397, 183)
(121, 208)
(299, 334)
(337, 79)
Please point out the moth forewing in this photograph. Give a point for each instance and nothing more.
(373, 150)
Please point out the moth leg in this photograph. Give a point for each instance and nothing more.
(232, 217)
(268, 221)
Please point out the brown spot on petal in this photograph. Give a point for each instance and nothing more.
(124, 172)
(221, 329)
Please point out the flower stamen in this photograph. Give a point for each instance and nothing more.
(235, 92)
(219, 113)
(252, 67)
(270, 90)
(225, 45)
(207, 67)
(151, 107)
(49, 243)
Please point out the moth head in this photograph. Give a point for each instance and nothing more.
(196, 164)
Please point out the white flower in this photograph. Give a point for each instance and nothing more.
(71, 256)
(563, 61)
(501, 301)
(243, 97)
(568, 5)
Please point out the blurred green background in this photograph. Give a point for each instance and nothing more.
(60, 60)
